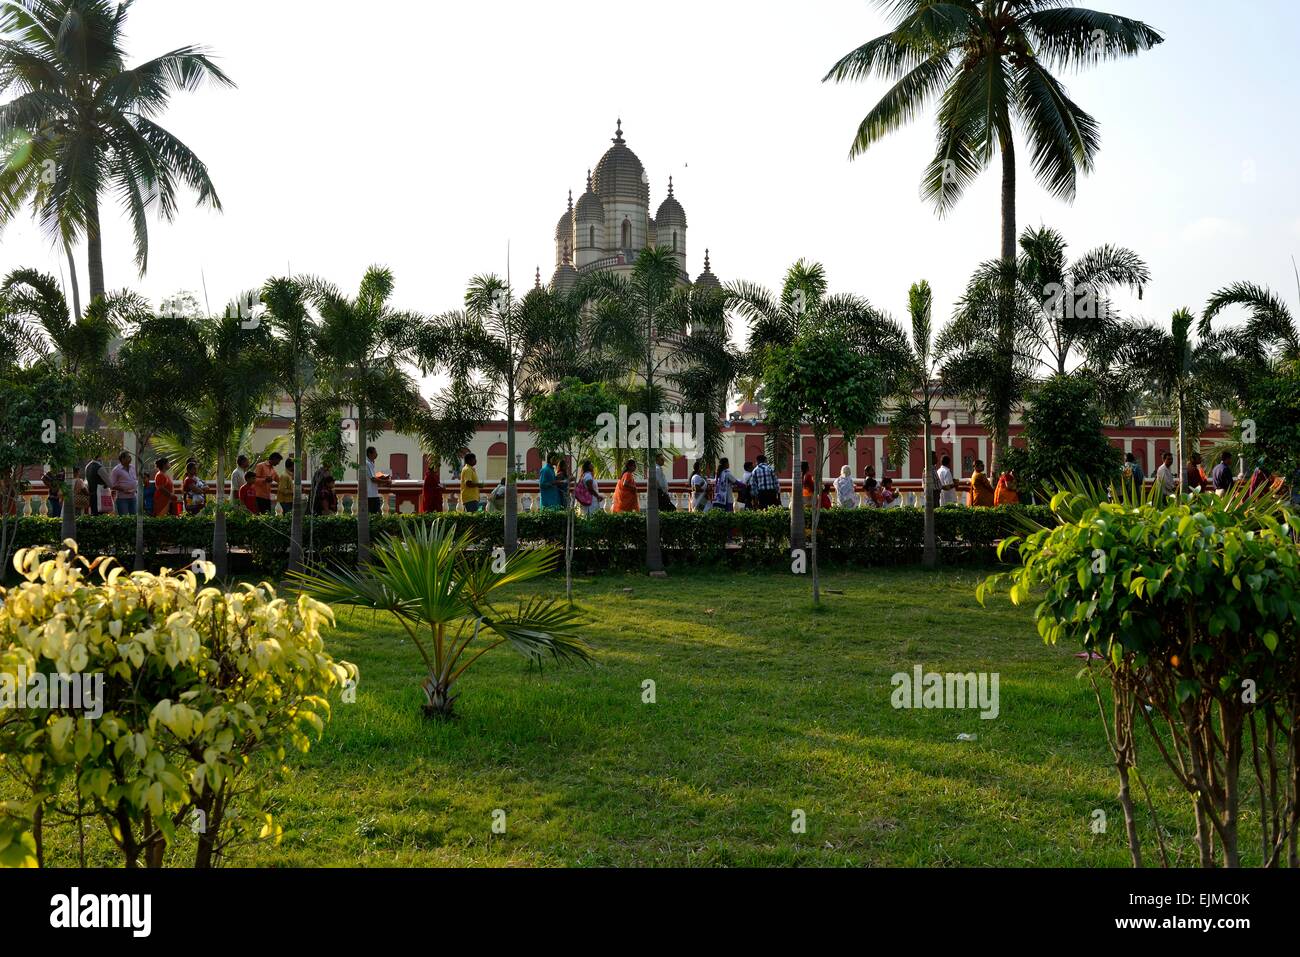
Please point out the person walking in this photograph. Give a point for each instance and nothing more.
(808, 488)
(764, 484)
(1195, 480)
(845, 494)
(53, 482)
(238, 476)
(94, 482)
(1132, 472)
(547, 492)
(699, 488)
(164, 489)
(587, 491)
(1008, 493)
(122, 480)
(266, 481)
(374, 503)
(469, 488)
(194, 490)
(723, 486)
(1221, 475)
(80, 493)
(431, 493)
(325, 502)
(625, 491)
(284, 486)
(562, 482)
(661, 486)
(981, 489)
(947, 482)
(1167, 475)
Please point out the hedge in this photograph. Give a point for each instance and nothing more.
(259, 544)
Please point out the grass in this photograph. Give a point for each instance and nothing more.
(762, 708)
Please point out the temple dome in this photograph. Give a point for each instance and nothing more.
(706, 279)
(670, 211)
(564, 228)
(619, 174)
(589, 209)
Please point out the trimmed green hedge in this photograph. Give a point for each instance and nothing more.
(852, 536)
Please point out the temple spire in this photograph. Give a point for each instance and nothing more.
(537, 279)
(618, 132)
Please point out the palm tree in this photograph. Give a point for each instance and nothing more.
(81, 118)
(675, 343)
(1073, 297)
(76, 345)
(143, 391)
(296, 356)
(365, 344)
(776, 321)
(516, 346)
(990, 62)
(443, 592)
(918, 388)
(1270, 321)
(1186, 376)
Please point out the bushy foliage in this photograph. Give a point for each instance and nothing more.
(188, 687)
(1193, 607)
(1273, 411)
(1065, 435)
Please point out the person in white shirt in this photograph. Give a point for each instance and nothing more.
(699, 489)
(237, 476)
(1167, 475)
(844, 489)
(947, 484)
(722, 486)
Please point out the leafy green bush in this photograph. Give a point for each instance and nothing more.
(1065, 435)
(180, 689)
(865, 536)
(1193, 609)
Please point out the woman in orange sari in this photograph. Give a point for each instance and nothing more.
(981, 490)
(625, 499)
(1007, 493)
(164, 490)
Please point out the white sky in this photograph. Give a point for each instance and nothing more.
(426, 135)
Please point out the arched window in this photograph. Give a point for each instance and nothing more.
(591, 236)
(674, 240)
(627, 233)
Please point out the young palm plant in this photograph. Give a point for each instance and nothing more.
(445, 595)
(78, 111)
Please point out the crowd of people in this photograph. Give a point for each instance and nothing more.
(268, 485)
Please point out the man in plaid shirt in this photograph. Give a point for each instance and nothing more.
(764, 485)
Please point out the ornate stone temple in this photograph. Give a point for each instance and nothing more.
(611, 223)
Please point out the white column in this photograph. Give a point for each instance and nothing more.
(983, 449)
(1152, 464)
(879, 442)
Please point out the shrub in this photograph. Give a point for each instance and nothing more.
(1065, 435)
(191, 685)
(864, 536)
(1193, 606)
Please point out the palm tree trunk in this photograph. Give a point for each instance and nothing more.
(1182, 443)
(94, 250)
(929, 556)
(219, 557)
(76, 286)
(1006, 331)
(796, 495)
(139, 503)
(295, 523)
(512, 506)
(363, 491)
(816, 514)
(69, 496)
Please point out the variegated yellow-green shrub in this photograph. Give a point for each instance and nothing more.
(199, 690)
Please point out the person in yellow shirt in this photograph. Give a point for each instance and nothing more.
(981, 490)
(284, 486)
(469, 486)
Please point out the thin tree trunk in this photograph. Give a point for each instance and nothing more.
(295, 523)
(94, 250)
(796, 495)
(816, 514)
(568, 551)
(69, 529)
(929, 553)
(512, 506)
(219, 556)
(363, 491)
(1182, 441)
(76, 286)
(139, 503)
(1006, 334)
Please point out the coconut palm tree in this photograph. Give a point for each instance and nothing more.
(774, 321)
(918, 387)
(76, 345)
(365, 345)
(1186, 375)
(991, 63)
(1269, 322)
(514, 346)
(81, 124)
(674, 342)
(444, 594)
(296, 355)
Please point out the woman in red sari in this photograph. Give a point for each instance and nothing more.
(164, 490)
(625, 496)
(431, 496)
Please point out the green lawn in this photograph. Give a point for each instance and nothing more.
(763, 707)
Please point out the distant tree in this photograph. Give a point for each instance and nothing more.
(1065, 436)
(31, 399)
(816, 380)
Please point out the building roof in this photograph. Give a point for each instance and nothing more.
(706, 279)
(619, 174)
(589, 209)
(564, 228)
(670, 211)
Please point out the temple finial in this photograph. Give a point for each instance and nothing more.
(706, 260)
(589, 181)
(670, 185)
(618, 132)
(570, 200)
(537, 279)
